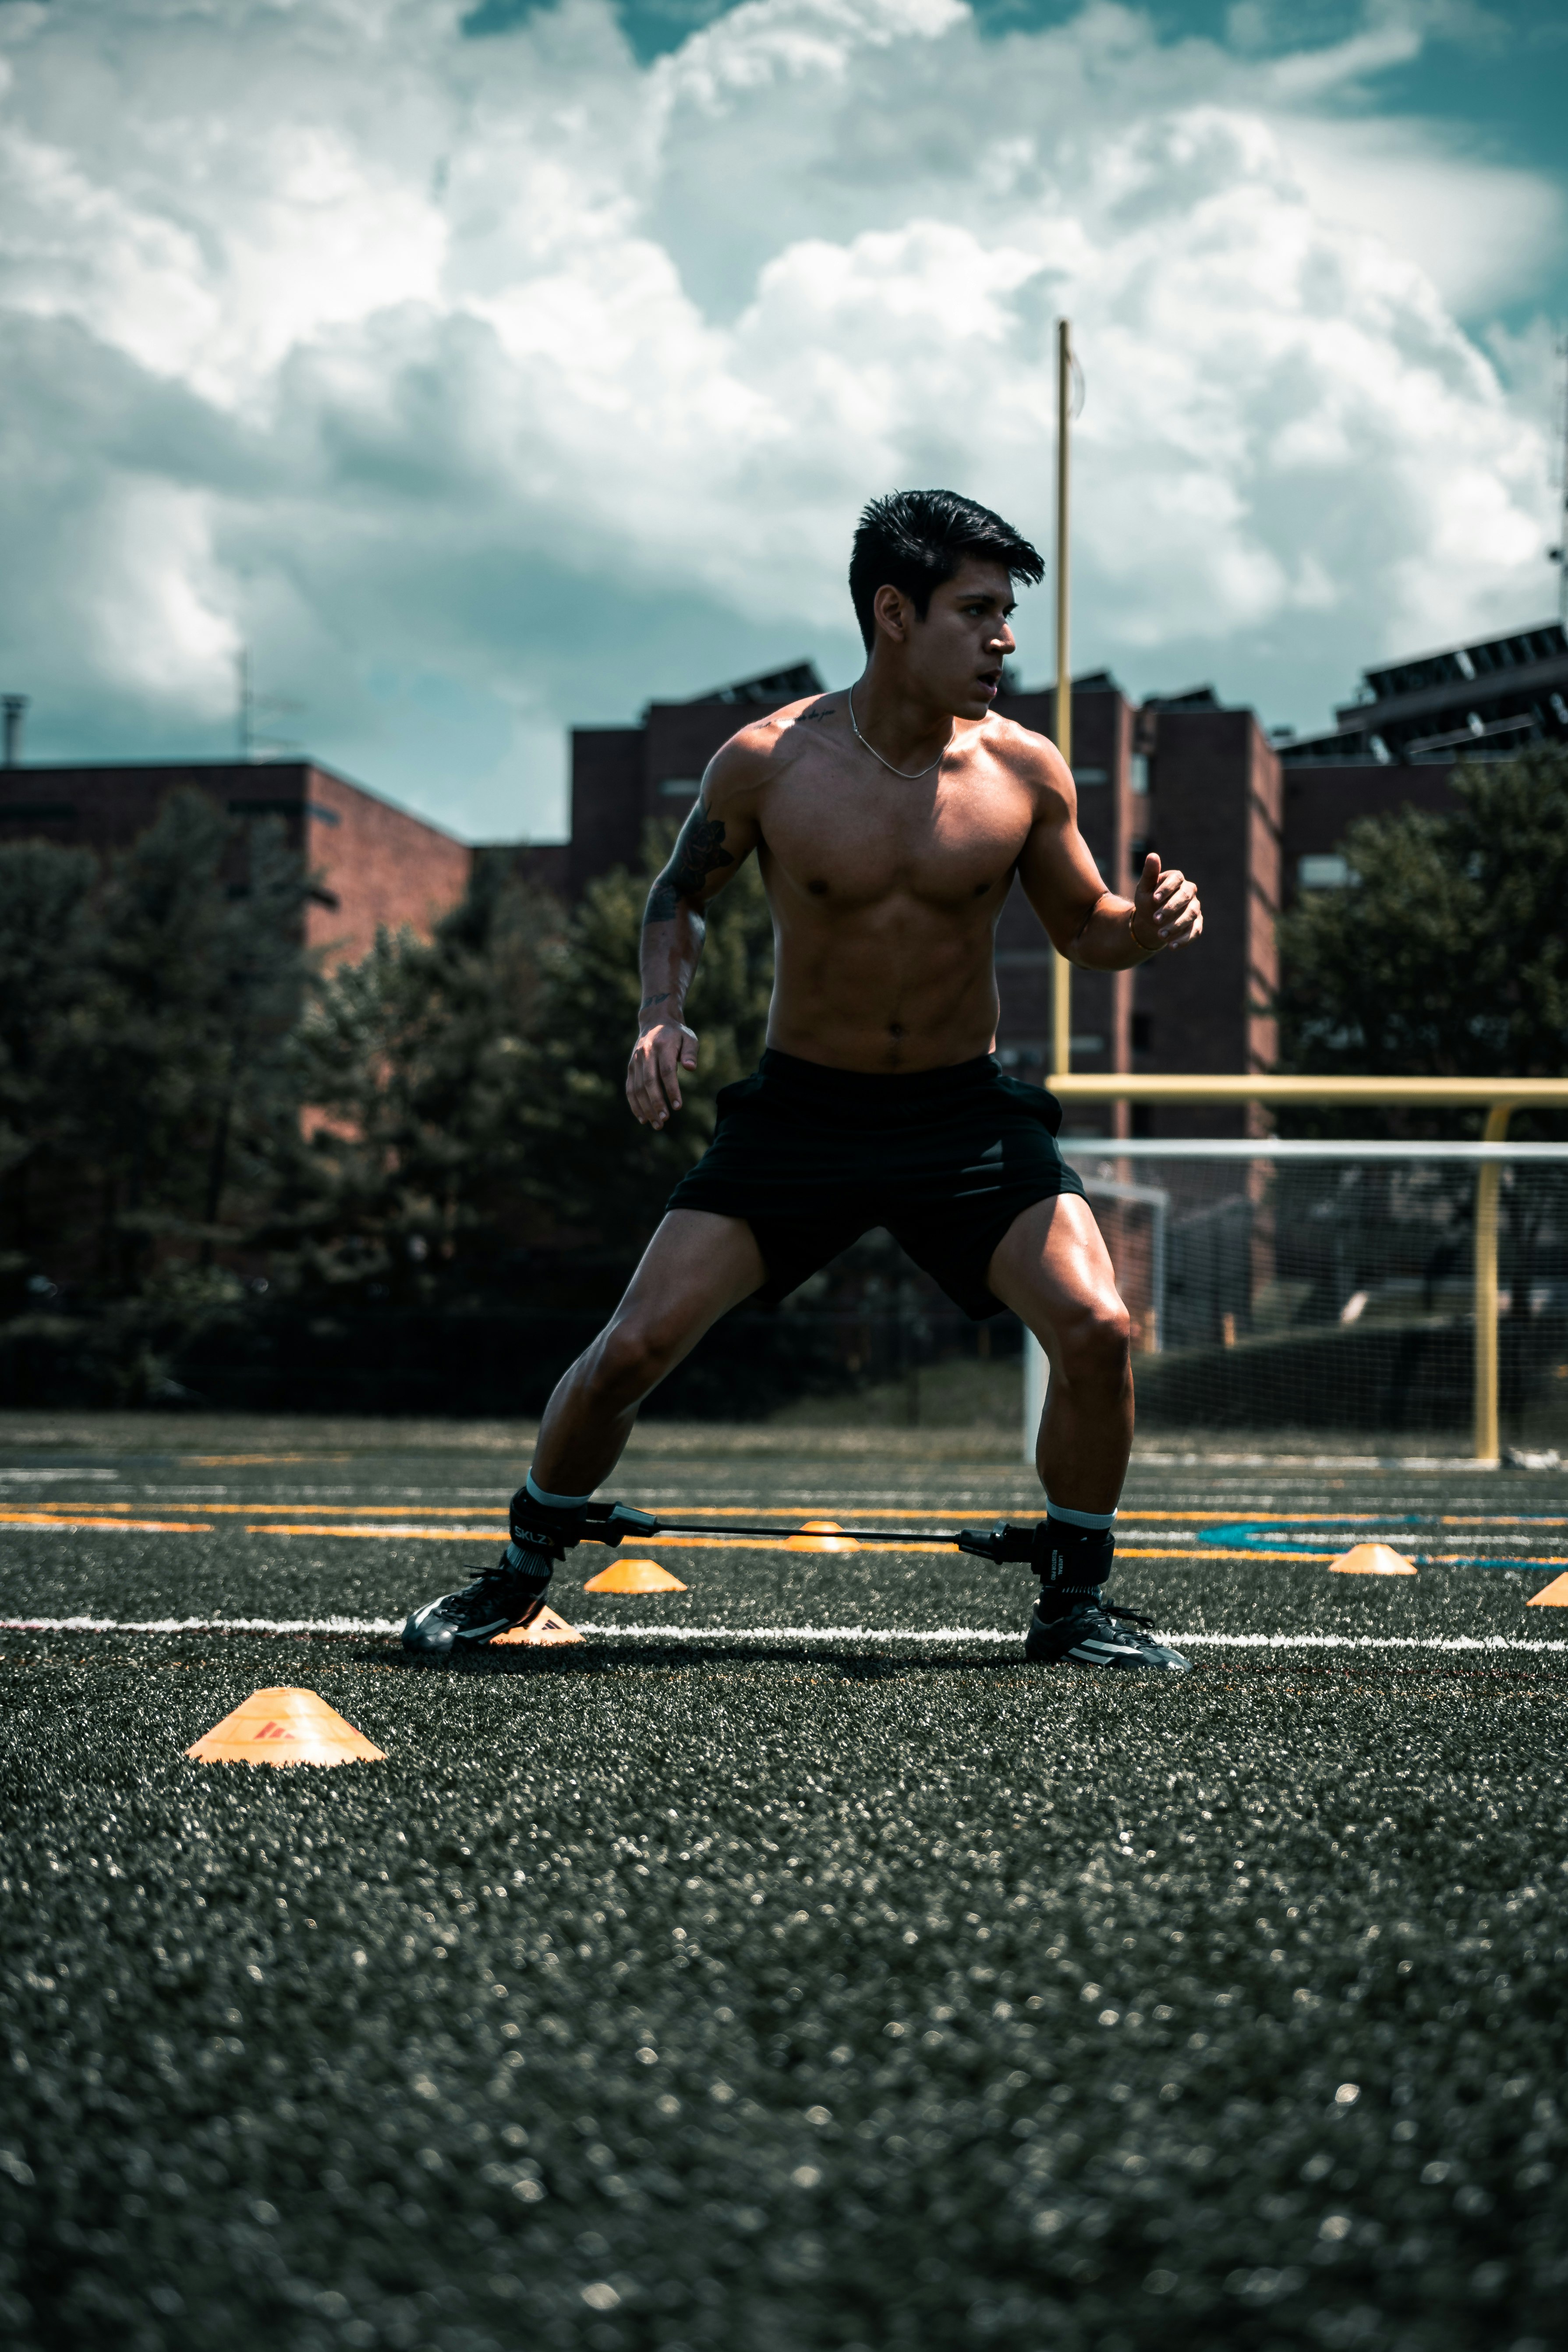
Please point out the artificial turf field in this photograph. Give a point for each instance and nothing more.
(789, 1966)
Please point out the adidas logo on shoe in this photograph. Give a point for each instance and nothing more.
(1094, 1634)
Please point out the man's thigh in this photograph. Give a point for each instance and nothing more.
(1053, 1269)
(697, 1266)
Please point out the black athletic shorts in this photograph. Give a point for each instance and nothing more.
(813, 1157)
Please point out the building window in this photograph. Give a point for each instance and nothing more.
(1329, 872)
(1138, 772)
(680, 788)
(1142, 1032)
(1091, 775)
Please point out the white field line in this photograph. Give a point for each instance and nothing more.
(1448, 1642)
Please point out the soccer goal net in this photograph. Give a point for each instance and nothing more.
(1331, 1286)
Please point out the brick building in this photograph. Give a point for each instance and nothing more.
(1396, 743)
(1471, 701)
(372, 862)
(622, 776)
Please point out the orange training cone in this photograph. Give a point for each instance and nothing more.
(1371, 1559)
(543, 1631)
(634, 1576)
(285, 1726)
(1550, 1596)
(822, 1534)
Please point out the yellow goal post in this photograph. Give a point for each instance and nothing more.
(1496, 1099)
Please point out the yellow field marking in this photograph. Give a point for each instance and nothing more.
(1208, 1551)
(426, 1534)
(348, 1511)
(981, 1511)
(322, 1510)
(1487, 1519)
(493, 1535)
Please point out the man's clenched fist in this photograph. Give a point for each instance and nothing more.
(1165, 910)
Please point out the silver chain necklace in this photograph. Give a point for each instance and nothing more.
(909, 776)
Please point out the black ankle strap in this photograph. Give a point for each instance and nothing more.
(556, 1528)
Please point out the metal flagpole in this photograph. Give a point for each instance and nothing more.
(1558, 555)
(1061, 999)
(1036, 1374)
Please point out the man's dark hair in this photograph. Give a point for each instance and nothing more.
(914, 540)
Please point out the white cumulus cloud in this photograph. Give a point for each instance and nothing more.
(485, 385)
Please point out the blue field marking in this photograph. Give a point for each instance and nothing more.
(1319, 1536)
(1266, 1535)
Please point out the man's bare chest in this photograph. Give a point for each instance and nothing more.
(846, 840)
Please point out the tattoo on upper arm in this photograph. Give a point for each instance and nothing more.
(699, 853)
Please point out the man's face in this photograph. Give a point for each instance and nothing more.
(956, 652)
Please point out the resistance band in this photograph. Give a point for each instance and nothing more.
(611, 1523)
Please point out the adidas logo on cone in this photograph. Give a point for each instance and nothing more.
(285, 1726)
(543, 1631)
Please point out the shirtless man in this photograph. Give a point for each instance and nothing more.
(888, 821)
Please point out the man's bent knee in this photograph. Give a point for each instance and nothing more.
(1094, 1345)
(629, 1358)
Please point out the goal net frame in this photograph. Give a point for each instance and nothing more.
(1496, 1099)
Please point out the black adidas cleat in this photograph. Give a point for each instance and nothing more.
(506, 1594)
(1095, 1635)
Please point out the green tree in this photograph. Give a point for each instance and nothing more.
(601, 1174)
(1446, 953)
(182, 1052)
(418, 1064)
(145, 1077)
(46, 955)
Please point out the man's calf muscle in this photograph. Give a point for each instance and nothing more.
(695, 1268)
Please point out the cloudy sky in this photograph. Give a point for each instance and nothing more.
(484, 369)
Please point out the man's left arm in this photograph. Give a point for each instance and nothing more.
(1088, 923)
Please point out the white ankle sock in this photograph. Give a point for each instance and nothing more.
(1100, 1520)
(555, 1502)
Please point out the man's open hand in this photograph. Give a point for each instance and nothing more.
(663, 1050)
(1165, 910)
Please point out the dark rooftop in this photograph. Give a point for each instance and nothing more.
(1194, 698)
(1463, 665)
(770, 687)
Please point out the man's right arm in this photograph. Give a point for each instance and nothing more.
(719, 833)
